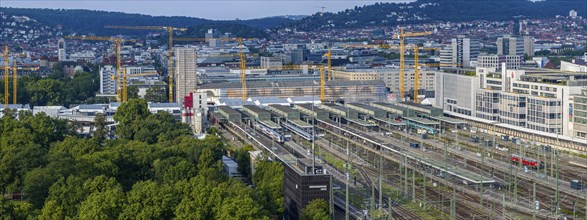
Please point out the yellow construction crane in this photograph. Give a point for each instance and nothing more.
(243, 69)
(329, 64)
(115, 40)
(15, 78)
(170, 30)
(6, 78)
(402, 35)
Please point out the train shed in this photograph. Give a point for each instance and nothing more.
(368, 110)
(312, 111)
(393, 109)
(425, 110)
(347, 113)
(284, 111)
(230, 114)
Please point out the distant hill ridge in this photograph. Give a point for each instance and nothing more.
(426, 11)
(91, 21)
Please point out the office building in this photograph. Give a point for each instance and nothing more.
(61, 53)
(460, 53)
(510, 45)
(390, 76)
(536, 100)
(513, 62)
(185, 72)
(301, 186)
(579, 113)
(529, 45)
(212, 38)
(107, 82)
(272, 63)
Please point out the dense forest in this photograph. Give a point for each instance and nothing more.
(425, 11)
(93, 22)
(154, 170)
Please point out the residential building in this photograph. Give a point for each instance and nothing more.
(272, 63)
(579, 114)
(510, 45)
(107, 82)
(495, 61)
(185, 72)
(460, 53)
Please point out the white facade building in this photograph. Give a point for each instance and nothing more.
(61, 53)
(537, 101)
(107, 83)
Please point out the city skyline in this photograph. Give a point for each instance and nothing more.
(232, 9)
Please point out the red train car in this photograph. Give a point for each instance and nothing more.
(529, 162)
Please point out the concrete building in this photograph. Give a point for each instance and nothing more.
(573, 67)
(356, 91)
(529, 45)
(186, 79)
(510, 45)
(390, 77)
(107, 82)
(495, 61)
(272, 63)
(230, 167)
(460, 53)
(61, 52)
(579, 112)
(301, 186)
(533, 100)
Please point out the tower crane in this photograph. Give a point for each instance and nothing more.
(15, 78)
(329, 64)
(170, 30)
(402, 35)
(242, 59)
(6, 77)
(125, 83)
(115, 40)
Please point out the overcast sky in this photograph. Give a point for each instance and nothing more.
(210, 9)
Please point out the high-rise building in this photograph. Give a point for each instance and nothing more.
(529, 45)
(107, 82)
(61, 53)
(510, 45)
(460, 53)
(186, 79)
(212, 38)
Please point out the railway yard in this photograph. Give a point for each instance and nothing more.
(413, 162)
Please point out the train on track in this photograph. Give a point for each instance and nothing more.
(529, 162)
(270, 133)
